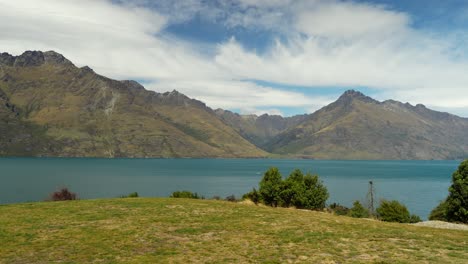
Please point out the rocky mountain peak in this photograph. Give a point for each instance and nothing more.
(33, 58)
(53, 57)
(351, 95)
(7, 59)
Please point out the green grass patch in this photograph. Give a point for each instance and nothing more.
(160, 230)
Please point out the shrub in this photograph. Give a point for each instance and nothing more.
(440, 212)
(339, 209)
(358, 211)
(394, 211)
(315, 194)
(414, 219)
(184, 194)
(292, 189)
(130, 195)
(231, 198)
(216, 197)
(270, 187)
(254, 196)
(63, 195)
(297, 190)
(457, 200)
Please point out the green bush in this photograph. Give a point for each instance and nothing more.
(455, 207)
(184, 194)
(440, 212)
(270, 187)
(130, 195)
(414, 219)
(315, 194)
(297, 190)
(394, 211)
(457, 200)
(358, 211)
(231, 198)
(339, 209)
(254, 196)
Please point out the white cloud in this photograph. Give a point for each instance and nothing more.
(348, 44)
(320, 43)
(349, 20)
(238, 94)
(126, 42)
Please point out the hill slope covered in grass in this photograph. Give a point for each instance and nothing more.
(150, 230)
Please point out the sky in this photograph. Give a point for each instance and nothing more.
(282, 57)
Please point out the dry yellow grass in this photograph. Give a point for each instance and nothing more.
(160, 230)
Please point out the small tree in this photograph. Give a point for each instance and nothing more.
(358, 211)
(292, 189)
(315, 195)
(63, 195)
(394, 211)
(270, 187)
(440, 212)
(457, 200)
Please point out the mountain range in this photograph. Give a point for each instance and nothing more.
(50, 107)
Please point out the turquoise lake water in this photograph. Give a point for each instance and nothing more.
(418, 184)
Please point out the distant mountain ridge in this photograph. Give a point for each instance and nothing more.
(259, 129)
(52, 108)
(49, 107)
(359, 127)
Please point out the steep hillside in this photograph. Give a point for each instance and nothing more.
(52, 108)
(259, 129)
(359, 127)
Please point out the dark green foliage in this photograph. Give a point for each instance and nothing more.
(358, 211)
(270, 187)
(231, 198)
(440, 212)
(63, 195)
(130, 195)
(457, 200)
(414, 219)
(184, 194)
(394, 211)
(133, 195)
(339, 209)
(297, 190)
(315, 194)
(292, 189)
(254, 196)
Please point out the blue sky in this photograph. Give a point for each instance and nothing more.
(259, 56)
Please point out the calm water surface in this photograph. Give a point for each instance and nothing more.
(418, 184)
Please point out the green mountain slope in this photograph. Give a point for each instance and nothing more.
(359, 127)
(52, 108)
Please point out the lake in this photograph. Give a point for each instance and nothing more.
(418, 184)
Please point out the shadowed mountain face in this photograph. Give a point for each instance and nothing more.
(359, 127)
(49, 107)
(259, 129)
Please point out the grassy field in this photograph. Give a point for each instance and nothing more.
(160, 230)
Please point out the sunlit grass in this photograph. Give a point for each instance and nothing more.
(143, 230)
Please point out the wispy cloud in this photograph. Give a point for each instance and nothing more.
(317, 43)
